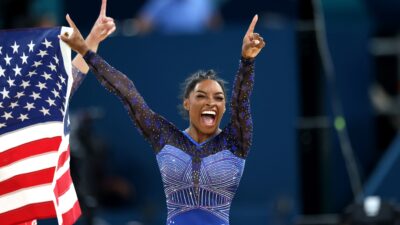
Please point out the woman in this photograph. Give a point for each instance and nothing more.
(201, 167)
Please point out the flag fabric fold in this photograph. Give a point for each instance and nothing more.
(35, 86)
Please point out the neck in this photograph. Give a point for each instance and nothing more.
(198, 136)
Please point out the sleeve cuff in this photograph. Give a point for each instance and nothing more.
(247, 61)
(89, 55)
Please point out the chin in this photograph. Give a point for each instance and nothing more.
(209, 131)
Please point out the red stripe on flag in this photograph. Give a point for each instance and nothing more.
(63, 183)
(29, 149)
(63, 158)
(72, 215)
(29, 212)
(44, 176)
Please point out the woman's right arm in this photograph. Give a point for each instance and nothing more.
(119, 84)
(102, 28)
(150, 124)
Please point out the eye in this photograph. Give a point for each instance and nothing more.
(200, 96)
(219, 98)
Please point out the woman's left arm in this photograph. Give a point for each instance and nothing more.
(241, 122)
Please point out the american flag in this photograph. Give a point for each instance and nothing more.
(35, 85)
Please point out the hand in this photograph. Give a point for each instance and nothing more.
(252, 42)
(75, 40)
(102, 28)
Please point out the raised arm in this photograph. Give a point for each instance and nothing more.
(150, 124)
(102, 28)
(241, 124)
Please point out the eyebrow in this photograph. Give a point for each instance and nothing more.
(218, 93)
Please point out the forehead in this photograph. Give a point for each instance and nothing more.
(208, 86)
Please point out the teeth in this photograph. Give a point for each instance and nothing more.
(208, 113)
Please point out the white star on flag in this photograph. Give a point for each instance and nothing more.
(47, 43)
(14, 104)
(45, 111)
(56, 59)
(23, 117)
(42, 53)
(25, 84)
(7, 115)
(29, 106)
(35, 95)
(19, 94)
(37, 63)
(50, 101)
(55, 93)
(24, 58)
(17, 70)
(2, 72)
(15, 47)
(5, 93)
(31, 73)
(62, 79)
(10, 82)
(31, 45)
(52, 67)
(59, 85)
(41, 85)
(8, 60)
(46, 76)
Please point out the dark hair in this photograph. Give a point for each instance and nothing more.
(190, 83)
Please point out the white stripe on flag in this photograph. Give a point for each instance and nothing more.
(27, 165)
(61, 170)
(66, 52)
(25, 197)
(31, 133)
(67, 200)
(65, 166)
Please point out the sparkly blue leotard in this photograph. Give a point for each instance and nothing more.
(200, 179)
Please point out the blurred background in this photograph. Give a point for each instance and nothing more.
(326, 105)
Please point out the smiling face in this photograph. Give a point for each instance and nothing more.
(206, 106)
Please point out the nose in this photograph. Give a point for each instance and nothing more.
(210, 102)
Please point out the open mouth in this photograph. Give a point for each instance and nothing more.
(209, 118)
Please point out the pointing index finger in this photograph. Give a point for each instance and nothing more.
(70, 22)
(252, 25)
(103, 8)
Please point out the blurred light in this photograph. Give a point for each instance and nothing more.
(372, 204)
(340, 123)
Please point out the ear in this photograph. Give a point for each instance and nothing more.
(186, 104)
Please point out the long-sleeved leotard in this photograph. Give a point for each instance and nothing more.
(200, 179)
(78, 78)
